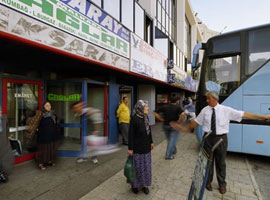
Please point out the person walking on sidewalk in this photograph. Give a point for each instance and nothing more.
(123, 116)
(96, 119)
(140, 144)
(216, 118)
(166, 114)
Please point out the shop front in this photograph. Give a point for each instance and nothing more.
(21, 98)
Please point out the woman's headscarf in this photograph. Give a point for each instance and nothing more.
(47, 113)
(139, 111)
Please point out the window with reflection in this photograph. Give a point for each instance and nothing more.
(222, 74)
(112, 7)
(97, 2)
(139, 21)
(258, 49)
(127, 10)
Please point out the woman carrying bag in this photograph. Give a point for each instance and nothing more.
(140, 144)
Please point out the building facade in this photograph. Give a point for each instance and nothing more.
(97, 51)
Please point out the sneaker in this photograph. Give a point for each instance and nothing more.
(169, 158)
(94, 160)
(80, 160)
(3, 177)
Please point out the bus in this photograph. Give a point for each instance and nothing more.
(237, 65)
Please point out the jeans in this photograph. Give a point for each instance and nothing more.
(172, 137)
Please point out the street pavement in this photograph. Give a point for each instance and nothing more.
(171, 179)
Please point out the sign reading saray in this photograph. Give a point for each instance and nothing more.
(78, 18)
(15, 23)
(146, 60)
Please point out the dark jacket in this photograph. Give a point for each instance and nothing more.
(46, 131)
(138, 140)
(6, 155)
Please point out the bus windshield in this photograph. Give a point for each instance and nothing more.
(223, 74)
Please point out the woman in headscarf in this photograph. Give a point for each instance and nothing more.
(46, 137)
(140, 144)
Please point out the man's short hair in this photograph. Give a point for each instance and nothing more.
(213, 94)
(173, 99)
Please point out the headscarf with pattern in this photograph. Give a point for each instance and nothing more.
(139, 111)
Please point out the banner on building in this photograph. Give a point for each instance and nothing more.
(184, 80)
(79, 18)
(146, 60)
(20, 25)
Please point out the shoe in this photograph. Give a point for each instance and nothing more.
(3, 177)
(51, 164)
(145, 190)
(94, 160)
(80, 160)
(169, 158)
(41, 166)
(174, 152)
(222, 190)
(209, 187)
(135, 190)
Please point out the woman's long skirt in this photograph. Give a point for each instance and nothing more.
(46, 153)
(143, 170)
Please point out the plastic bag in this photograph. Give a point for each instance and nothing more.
(129, 170)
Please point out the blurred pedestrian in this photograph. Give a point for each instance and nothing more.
(46, 137)
(140, 144)
(166, 114)
(123, 116)
(6, 155)
(215, 118)
(96, 144)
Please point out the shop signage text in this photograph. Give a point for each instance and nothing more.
(59, 97)
(96, 14)
(26, 27)
(146, 60)
(62, 16)
(23, 95)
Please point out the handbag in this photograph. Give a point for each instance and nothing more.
(129, 170)
(32, 124)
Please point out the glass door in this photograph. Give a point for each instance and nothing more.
(62, 95)
(97, 101)
(21, 99)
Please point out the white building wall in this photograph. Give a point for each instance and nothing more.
(148, 92)
(181, 25)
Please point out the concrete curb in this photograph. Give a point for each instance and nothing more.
(254, 183)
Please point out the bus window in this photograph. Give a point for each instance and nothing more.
(222, 75)
(258, 49)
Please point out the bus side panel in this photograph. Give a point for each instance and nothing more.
(256, 140)
(235, 138)
(258, 84)
(257, 104)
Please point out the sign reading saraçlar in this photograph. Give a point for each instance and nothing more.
(88, 23)
(23, 26)
(146, 60)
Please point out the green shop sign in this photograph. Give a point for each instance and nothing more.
(62, 16)
(59, 97)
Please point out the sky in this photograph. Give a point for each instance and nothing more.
(229, 15)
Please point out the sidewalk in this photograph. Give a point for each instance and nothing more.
(171, 179)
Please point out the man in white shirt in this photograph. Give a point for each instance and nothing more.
(216, 118)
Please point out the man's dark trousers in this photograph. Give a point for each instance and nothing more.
(219, 157)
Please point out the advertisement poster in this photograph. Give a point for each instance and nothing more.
(20, 25)
(146, 60)
(79, 18)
